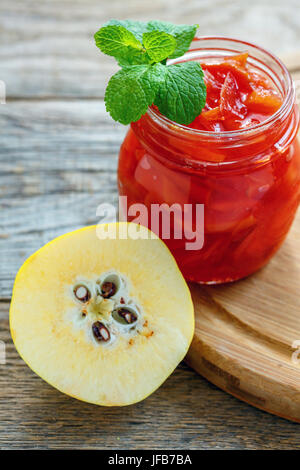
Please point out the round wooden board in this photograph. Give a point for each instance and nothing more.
(246, 332)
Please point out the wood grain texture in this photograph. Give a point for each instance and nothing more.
(58, 156)
(187, 412)
(47, 50)
(246, 333)
(58, 163)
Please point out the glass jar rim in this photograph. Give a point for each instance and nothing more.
(285, 108)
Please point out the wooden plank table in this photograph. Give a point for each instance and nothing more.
(58, 158)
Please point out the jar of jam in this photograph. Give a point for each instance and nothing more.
(239, 160)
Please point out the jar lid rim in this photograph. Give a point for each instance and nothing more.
(261, 127)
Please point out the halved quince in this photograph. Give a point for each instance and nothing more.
(103, 320)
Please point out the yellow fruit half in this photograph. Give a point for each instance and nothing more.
(103, 320)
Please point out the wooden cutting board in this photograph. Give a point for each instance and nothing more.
(246, 332)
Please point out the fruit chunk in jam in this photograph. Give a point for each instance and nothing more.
(249, 186)
(237, 97)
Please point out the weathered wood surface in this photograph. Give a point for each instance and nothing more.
(47, 50)
(187, 412)
(58, 156)
(58, 163)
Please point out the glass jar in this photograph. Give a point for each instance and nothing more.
(250, 197)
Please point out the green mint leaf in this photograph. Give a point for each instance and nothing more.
(138, 28)
(118, 42)
(135, 58)
(159, 45)
(183, 34)
(142, 50)
(131, 91)
(182, 92)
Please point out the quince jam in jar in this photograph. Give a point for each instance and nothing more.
(240, 158)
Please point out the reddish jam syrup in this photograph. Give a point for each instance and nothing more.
(237, 97)
(249, 203)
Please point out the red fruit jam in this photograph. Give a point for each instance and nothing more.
(240, 158)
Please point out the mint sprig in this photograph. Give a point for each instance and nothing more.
(131, 91)
(159, 45)
(183, 33)
(121, 43)
(141, 49)
(181, 95)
